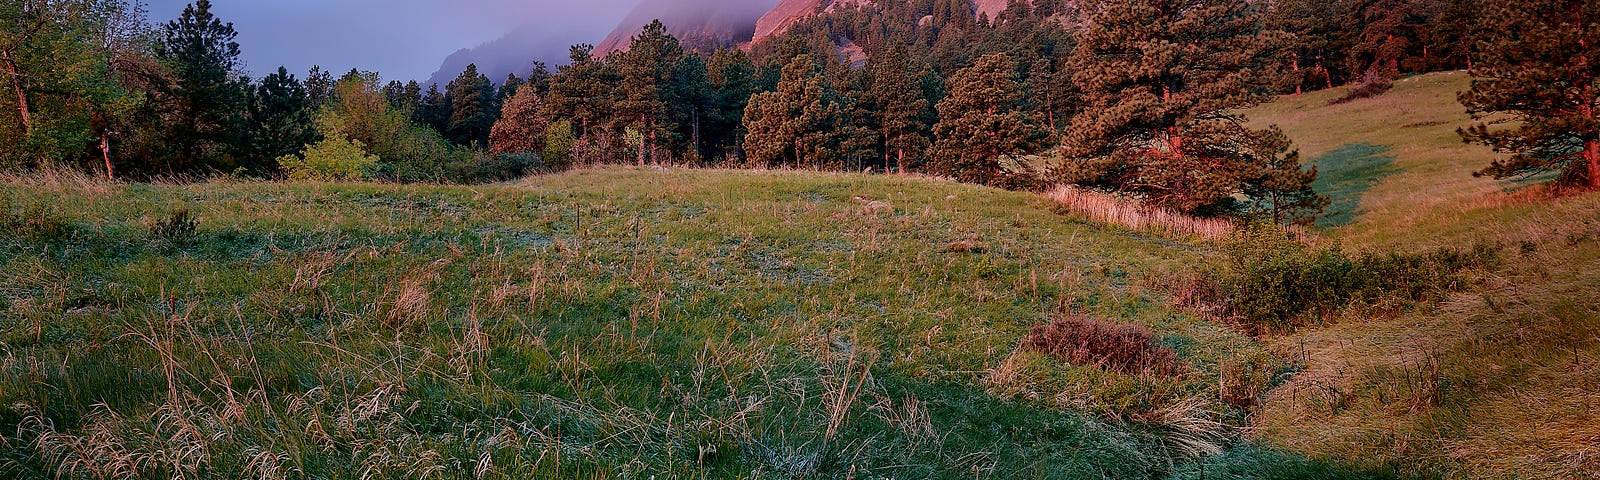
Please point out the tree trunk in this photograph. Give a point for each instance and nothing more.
(22, 96)
(1591, 156)
(105, 151)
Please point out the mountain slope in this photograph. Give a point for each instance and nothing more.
(701, 25)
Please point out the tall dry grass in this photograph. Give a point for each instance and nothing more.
(1136, 215)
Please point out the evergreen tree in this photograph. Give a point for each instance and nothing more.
(802, 123)
(507, 89)
(1165, 80)
(434, 110)
(981, 122)
(584, 91)
(732, 78)
(319, 87)
(202, 106)
(522, 126)
(1537, 90)
(899, 107)
(280, 119)
(540, 78)
(689, 99)
(646, 69)
(471, 108)
(395, 93)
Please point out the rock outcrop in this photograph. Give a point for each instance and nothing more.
(701, 25)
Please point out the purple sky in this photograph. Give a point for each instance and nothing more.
(401, 39)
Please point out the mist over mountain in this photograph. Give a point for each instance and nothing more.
(701, 24)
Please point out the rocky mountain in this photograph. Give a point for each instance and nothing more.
(702, 25)
(788, 12)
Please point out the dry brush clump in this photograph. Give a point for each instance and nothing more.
(1119, 347)
(1136, 215)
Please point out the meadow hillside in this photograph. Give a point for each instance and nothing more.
(609, 323)
(1498, 381)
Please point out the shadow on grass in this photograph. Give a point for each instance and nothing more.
(1345, 174)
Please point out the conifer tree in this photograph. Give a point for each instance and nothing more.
(203, 105)
(646, 69)
(522, 126)
(280, 118)
(540, 78)
(584, 91)
(434, 110)
(319, 87)
(1165, 80)
(471, 108)
(732, 78)
(507, 89)
(802, 123)
(689, 99)
(899, 107)
(982, 122)
(1536, 92)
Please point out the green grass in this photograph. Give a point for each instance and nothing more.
(1498, 381)
(1345, 174)
(614, 323)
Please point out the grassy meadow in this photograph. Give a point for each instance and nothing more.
(1499, 381)
(610, 323)
(669, 323)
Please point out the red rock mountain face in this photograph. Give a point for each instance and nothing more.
(702, 25)
(788, 12)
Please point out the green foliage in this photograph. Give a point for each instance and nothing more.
(279, 118)
(558, 144)
(1164, 80)
(982, 122)
(1275, 284)
(335, 158)
(804, 123)
(1536, 95)
(472, 108)
(202, 107)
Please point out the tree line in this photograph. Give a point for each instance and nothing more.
(1138, 96)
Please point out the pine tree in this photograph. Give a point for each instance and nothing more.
(434, 110)
(584, 91)
(507, 89)
(280, 118)
(471, 108)
(646, 69)
(1536, 94)
(899, 107)
(1165, 80)
(203, 105)
(732, 78)
(540, 78)
(522, 126)
(319, 87)
(982, 122)
(802, 123)
(689, 99)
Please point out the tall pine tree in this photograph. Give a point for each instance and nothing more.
(1165, 80)
(1537, 90)
(472, 108)
(983, 122)
(202, 107)
(280, 118)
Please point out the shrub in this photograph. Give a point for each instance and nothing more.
(1274, 284)
(558, 143)
(335, 158)
(1120, 347)
(179, 228)
(484, 169)
(1371, 87)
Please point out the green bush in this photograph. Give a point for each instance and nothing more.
(1274, 284)
(335, 158)
(178, 229)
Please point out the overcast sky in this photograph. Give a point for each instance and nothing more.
(401, 39)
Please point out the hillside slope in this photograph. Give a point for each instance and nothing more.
(1500, 381)
(603, 323)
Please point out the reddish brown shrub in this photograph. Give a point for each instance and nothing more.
(1120, 347)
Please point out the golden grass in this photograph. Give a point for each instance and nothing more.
(1135, 215)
